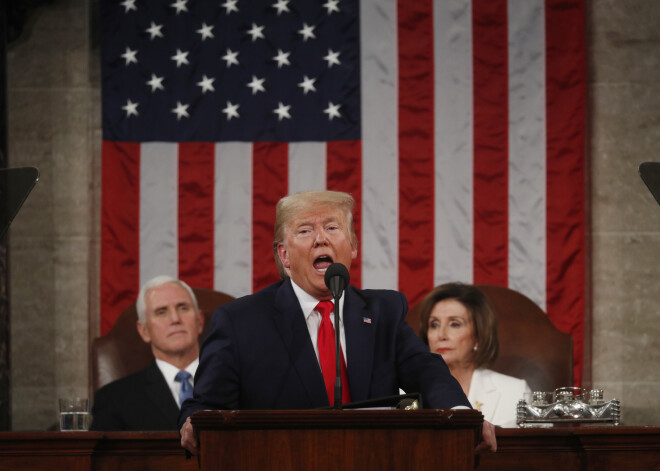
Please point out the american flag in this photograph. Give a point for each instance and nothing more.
(457, 125)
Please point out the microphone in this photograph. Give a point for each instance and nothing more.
(337, 278)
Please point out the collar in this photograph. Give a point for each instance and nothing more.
(169, 371)
(308, 302)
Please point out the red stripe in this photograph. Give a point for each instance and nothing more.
(120, 224)
(490, 70)
(416, 180)
(566, 191)
(344, 173)
(270, 168)
(195, 223)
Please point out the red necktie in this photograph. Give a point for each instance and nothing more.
(327, 357)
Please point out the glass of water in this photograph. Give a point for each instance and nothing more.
(74, 414)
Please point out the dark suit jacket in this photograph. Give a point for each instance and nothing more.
(141, 401)
(258, 355)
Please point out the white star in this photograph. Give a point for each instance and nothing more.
(129, 55)
(130, 108)
(155, 30)
(332, 58)
(257, 85)
(280, 6)
(332, 111)
(180, 57)
(230, 5)
(206, 31)
(180, 6)
(231, 111)
(307, 32)
(230, 57)
(181, 110)
(307, 84)
(129, 5)
(282, 58)
(256, 32)
(206, 84)
(156, 83)
(331, 5)
(282, 111)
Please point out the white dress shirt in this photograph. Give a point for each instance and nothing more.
(313, 318)
(169, 371)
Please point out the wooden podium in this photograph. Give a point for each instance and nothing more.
(334, 440)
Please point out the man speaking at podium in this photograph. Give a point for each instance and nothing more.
(275, 349)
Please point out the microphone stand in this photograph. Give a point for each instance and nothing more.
(337, 355)
(337, 278)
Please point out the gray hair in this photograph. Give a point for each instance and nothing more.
(141, 303)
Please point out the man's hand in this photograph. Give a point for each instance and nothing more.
(488, 441)
(189, 440)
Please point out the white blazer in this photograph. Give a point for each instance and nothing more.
(496, 396)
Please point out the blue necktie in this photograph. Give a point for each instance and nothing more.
(186, 390)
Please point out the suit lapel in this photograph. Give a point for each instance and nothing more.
(487, 396)
(290, 322)
(360, 329)
(159, 393)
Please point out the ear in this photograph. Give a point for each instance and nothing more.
(144, 332)
(200, 321)
(284, 255)
(354, 253)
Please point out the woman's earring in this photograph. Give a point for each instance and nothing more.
(475, 348)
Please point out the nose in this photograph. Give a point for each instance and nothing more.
(320, 238)
(175, 317)
(442, 332)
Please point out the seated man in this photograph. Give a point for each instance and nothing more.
(169, 319)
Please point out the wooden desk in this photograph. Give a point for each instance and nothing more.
(328, 440)
(84, 451)
(564, 449)
(580, 448)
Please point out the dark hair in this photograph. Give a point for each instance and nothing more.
(482, 313)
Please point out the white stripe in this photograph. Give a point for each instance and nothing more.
(307, 166)
(159, 165)
(454, 147)
(233, 218)
(379, 242)
(527, 149)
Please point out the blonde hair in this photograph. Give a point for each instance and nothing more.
(291, 205)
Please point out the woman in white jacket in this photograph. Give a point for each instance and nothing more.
(458, 322)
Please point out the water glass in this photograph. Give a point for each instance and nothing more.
(74, 414)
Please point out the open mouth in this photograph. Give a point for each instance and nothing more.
(322, 263)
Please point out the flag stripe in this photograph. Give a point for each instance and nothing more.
(379, 242)
(158, 211)
(490, 53)
(345, 174)
(527, 153)
(269, 177)
(415, 148)
(195, 214)
(565, 110)
(120, 226)
(454, 122)
(233, 218)
(307, 166)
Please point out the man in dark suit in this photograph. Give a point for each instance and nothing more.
(170, 321)
(264, 351)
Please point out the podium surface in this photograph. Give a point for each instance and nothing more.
(329, 440)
